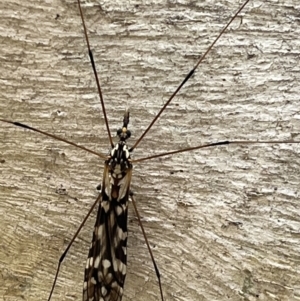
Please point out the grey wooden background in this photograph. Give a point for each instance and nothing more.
(223, 222)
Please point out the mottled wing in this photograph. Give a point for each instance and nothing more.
(105, 270)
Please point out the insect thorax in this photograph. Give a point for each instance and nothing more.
(119, 160)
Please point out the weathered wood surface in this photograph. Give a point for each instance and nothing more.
(247, 89)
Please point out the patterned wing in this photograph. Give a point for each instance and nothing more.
(105, 270)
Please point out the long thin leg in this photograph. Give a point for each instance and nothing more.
(189, 74)
(148, 246)
(27, 127)
(188, 149)
(95, 74)
(62, 257)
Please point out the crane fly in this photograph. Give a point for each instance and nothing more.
(105, 271)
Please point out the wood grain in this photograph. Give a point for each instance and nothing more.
(224, 222)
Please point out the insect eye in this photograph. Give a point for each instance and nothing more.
(128, 133)
(119, 132)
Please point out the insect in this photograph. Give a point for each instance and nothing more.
(235, 184)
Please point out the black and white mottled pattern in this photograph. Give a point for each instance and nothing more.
(105, 269)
